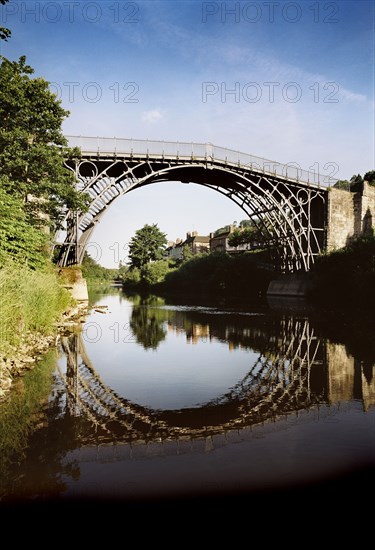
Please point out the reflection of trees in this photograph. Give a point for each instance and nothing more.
(263, 333)
(147, 323)
(97, 291)
(42, 469)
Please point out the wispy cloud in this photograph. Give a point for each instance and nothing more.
(152, 116)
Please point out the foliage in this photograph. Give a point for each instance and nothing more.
(219, 273)
(146, 246)
(91, 270)
(342, 184)
(32, 146)
(4, 32)
(19, 241)
(242, 236)
(187, 253)
(347, 275)
(356, 182)
(155, 272)
(370, 177)
(130, 277)
(248, 234)
(30, 301)
(246, 223)
(122, 270)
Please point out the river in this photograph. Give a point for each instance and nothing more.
(157, 398)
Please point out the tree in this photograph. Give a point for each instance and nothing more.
(356, 182)
(154, 272)
(33, 147)
(187, 253)
(250, 235)
(370, 177)
(92, 270)
(19, 241)
(4, 33)
(146, 246)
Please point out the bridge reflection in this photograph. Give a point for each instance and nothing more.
(294, 370)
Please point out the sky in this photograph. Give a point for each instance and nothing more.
(289, 81)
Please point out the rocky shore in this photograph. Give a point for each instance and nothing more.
(19, 359)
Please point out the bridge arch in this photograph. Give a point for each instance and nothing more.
(286, 203)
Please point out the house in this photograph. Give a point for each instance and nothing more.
(174, 250)
(196, 243)
(219, 241)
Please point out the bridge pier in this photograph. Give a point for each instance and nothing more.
(349, 215)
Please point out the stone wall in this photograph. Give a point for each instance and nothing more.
(340, 218)
(349, 215)
(368, 208)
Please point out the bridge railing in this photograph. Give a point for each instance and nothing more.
(189, 150)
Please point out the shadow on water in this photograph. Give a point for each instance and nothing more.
(300, 360)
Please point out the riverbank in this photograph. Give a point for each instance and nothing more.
(34, 345)
(342, 278)
(216, 275)
(36, 309)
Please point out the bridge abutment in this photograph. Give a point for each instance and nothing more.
(75, 283)
(349, 215)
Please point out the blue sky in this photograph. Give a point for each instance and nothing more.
(301, 76)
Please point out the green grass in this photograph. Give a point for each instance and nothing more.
(30, 301)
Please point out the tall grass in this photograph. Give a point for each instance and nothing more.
(29, 301)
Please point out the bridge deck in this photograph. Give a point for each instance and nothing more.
(104, 147)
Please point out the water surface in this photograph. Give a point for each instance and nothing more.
(153, 398)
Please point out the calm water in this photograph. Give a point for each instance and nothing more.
(155, 399)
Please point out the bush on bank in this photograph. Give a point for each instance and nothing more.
(346, 276)
(220, 274)
(31, 301)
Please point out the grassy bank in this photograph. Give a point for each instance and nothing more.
(31, 301)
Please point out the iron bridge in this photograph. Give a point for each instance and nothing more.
(287, 204)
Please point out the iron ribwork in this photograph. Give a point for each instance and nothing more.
(286, 203)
